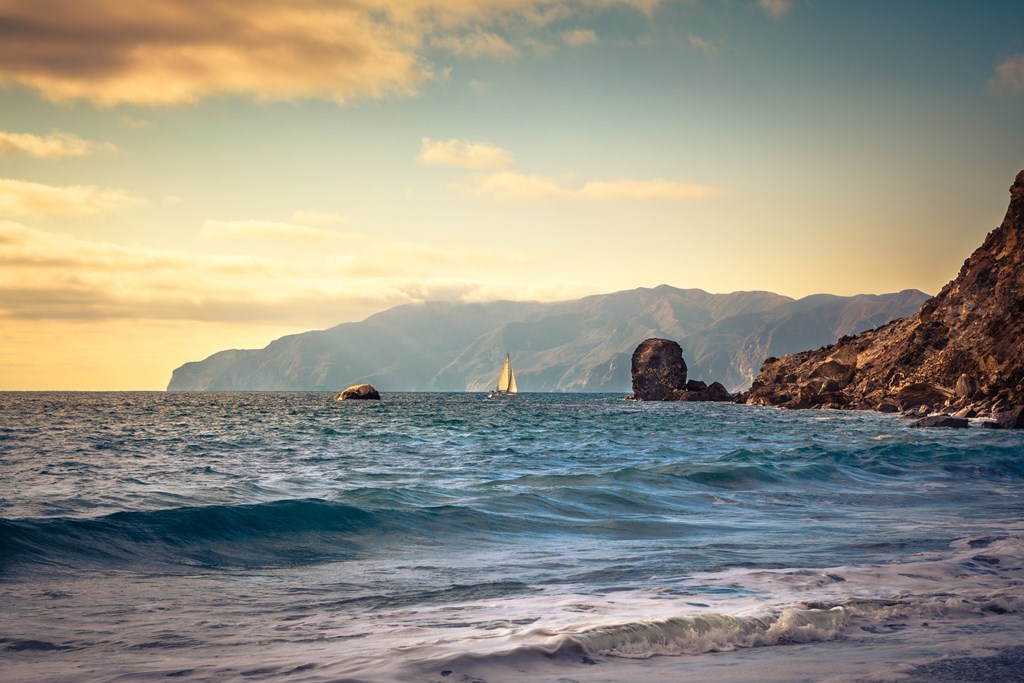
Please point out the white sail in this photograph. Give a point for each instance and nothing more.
(507, 379)
(506, 370)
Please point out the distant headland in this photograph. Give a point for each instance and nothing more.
(582, 345)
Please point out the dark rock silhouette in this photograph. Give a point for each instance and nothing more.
(1007, 419)
(659, 374)
(659, 371)
(362, 392)
(940, 421)
(962, 352)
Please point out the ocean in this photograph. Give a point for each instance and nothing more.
(547, 537)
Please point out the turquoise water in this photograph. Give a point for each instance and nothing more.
(287, 536)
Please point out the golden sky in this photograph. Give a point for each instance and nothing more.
(178, 178)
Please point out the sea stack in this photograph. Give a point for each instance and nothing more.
(961, 353)
(363, 392)
(659, 374)
(659, 371)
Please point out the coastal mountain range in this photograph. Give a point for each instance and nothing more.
(581, 345)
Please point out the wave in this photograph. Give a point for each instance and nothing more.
(222, 536)
(285, 532)
(717, 632)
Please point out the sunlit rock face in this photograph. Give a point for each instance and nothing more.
(363, 392)
(962, 352)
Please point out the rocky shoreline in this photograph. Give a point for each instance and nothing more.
(961, 355)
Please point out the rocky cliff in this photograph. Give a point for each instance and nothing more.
(962, 352)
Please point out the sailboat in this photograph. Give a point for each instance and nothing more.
(506, 380)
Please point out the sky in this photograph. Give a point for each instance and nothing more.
(180, 177)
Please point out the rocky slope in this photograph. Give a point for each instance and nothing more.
(581, 345)
(962, 352)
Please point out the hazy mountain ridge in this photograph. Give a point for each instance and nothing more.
(579, 345)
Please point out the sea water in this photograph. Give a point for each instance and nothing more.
(452, 537)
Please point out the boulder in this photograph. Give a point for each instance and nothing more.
(695, 385)
(940, 421)
(716, 391)
(833, 370)
(659, 371)
(913, 396)
(1007, 419)
(364, 392)
(966, 386)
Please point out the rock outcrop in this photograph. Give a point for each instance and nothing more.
(659, 371)
(962, 352)
(363, 392)
(940, 421)
(659, 374)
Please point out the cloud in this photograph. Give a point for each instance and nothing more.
(130, 122)
(465, 154)
(478, 43)
(56, 145)
(775, 8)
(213, 229)
(167, 52)
(23, 198)
(702, 44)
(55, 276)
(1009, 76)
(509, 186)
(579, 36)
(318, 218)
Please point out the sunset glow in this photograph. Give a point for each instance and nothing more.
(180, 178)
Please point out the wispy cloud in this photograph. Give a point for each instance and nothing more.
(475, 44)
(55, 276)
(258, 229)
(131, 122)
(775, 8)
(702, 44)
(1009, 76)
(510, 186)
(464, 154)
(165, 52)
(56, 145)
(579, 36)
(23, 198)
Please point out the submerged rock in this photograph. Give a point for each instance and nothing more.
(940, 421)
(1008, 419)
(364, 392)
